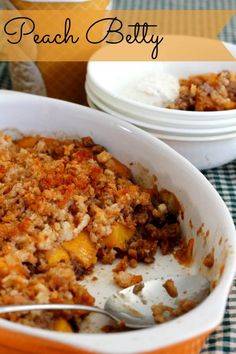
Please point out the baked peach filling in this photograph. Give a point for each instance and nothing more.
(67, 205)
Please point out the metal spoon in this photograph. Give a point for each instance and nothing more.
(132, 306)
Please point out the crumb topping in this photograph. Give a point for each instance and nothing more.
(207, 92)
(66, 205)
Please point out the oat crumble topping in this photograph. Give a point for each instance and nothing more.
(66, 205)
(207, 92)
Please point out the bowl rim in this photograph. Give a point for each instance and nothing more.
(189, 325)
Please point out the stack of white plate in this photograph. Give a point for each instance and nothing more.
(207, 139)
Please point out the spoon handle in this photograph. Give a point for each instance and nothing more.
(39, 307)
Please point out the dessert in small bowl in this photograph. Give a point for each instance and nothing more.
(192, 101)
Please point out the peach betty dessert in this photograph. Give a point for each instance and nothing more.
(207, 92)
(65, 206)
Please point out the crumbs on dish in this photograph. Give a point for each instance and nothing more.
(66, 205)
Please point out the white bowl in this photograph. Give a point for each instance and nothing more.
(112, 77)
(201, 204)
(154, 119)
(142, 121)
(202, 151)
(204, 154)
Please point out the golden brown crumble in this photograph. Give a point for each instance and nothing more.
(65, 205)
(163, 313)
(124, 279)
(170, 287)
(207, 92)
(122, 265)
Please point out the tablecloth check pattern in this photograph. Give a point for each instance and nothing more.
(223, 340)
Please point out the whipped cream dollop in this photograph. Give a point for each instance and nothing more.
(156, 89)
